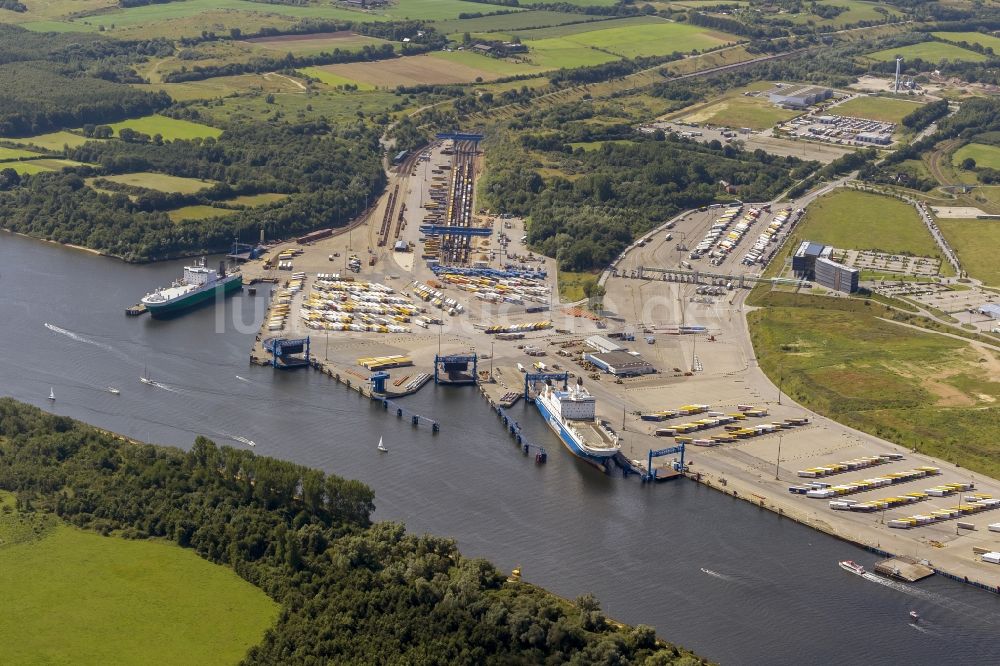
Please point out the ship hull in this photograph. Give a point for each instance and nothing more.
(569, 441)
(176, 306)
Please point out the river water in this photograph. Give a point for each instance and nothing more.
(735, 583)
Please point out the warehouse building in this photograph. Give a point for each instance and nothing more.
(798, 98)
(602, 345)
(874, 137)
(812, 262)
(621, 363)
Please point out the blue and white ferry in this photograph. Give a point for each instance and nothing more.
(572, 415)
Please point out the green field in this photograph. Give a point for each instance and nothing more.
(985, 156)
(279, 46)
(436, 10)
(333, 80)
(558, 52)
(52, 141)
(923, 390)
(857, 11)
(884, 109)
(161, 182)
(168, 128)
(256, 199)
(223, 86)
(971, 38)
(854, 220)
(29, 167)
(739, 111)
(595, 43)
(929, 51)
(507, 22)
(75, 597)
(9, 154)
(57, 26)
(333, 106)
(161, 13)
(976, 242)
(196, 213)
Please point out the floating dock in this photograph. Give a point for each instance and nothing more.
(905, 568)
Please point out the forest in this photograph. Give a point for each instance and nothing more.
(352, 592)
(613, 194)
(328, 172)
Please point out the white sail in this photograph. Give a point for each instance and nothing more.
(381, 446)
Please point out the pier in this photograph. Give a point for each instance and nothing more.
(905, 568)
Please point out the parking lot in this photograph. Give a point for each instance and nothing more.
(868, 260)
(840, 130)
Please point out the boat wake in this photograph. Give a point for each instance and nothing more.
(78, 338)
(243, 379)
(239, 438)
(716, 574)
(933, 598)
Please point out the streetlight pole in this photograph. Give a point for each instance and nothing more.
(781, 380)
(778, 461)
(491, 361)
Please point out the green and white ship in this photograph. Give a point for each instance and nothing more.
(199, 284)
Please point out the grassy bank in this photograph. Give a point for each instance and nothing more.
(839, 358)
(82, 598)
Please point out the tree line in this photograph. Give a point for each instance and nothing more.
(351, 591)
(610, 196)
(328, 173)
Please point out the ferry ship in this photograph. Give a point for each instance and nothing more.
(198, 285)
(571, 415)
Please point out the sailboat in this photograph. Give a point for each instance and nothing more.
(381, 446)
(145, 376)
(52, 397)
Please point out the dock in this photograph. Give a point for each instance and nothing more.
(905, 568)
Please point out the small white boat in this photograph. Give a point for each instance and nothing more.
(914, 616)
(381, 446)
(853, 567)
(52, 397)
(145, 377)
(112, 390)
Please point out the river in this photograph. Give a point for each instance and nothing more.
(735, 583)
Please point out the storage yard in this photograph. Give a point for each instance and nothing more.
(673, 305)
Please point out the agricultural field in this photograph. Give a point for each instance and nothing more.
(52, 141)
(971, 38)
(436, 10)
(314, 43)
(38, 166)
(928, 51)
(168, 128)
(840, 358)
(10, 154)
(848, 219)
(495, 66)
(984, 155)
(558, 52)
(595, 43)
(857, 11)
(256, 199)
(976, 242)
(161, 182)
(333, 80)
(86, 598)
(456, 67)
(884, 109)
(196, 213)
(165, 13)
(58, 26)
(507, 22)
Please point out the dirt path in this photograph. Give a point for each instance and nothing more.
(301, 86)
